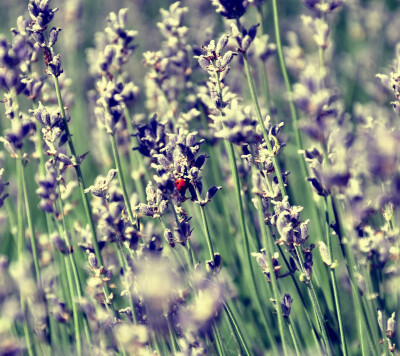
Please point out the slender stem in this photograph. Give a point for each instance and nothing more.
(308, 316)
(236, 329)
(21, 243)
(23, 191)
(23, 195)
(126, 267)
(190, 261)
(212, 256)
(294, 338)
(262, 64)
(235, 175)
(187, 248)
(218, 340)
(207, 232)
(81, 181)
(293, 113)
(29, 219)
(351, 269)
(267, 241)
(267, 237)
(274, 160)
(57, 262)
(121, 178)
(361, 331)
(72, 264)
(20, 215)
(327, 228)
(232, 161)
(175, 252)
(261, 123)
(26, 328)
(282, 64)
(172, 336)
(157, 344)
(228, 248)
(320, 317)
(334, 285)
(74, 309)
(39, 147)
(12, 219)
(315, 303)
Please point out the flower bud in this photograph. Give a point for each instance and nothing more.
(391, 327)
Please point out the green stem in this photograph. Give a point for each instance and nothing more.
(267, 237)
(207, 232)
(294, 338)
(264, 77)
(21, 240)
(236, 329)
(12, 222)
(320, 317)
(74, 309)
(308, 316)
(72, 264)
(359, 317)
(261, 123)
(282, 64)
(188, 248)
(81, 181)
(266, 138)
(235, 175)
(22, 190)
(351, 269)
(121, 179)
(172, 334)
(334, 285)
(240, 339)
(267, 241)
(26, 328)
(40, 142)
(232, 161)
(212, 256)
(127, 268)
(215, 327)
(218, 340)
(29, 219)
(293, 114)
(82, 186)
(315, 303)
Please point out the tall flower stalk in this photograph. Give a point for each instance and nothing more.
(208, 62)
(81, 181)
(244, 39)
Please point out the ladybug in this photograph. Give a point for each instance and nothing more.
(181, 185)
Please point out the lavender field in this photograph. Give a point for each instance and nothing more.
(201, 177)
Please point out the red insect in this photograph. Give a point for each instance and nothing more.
(181, 185)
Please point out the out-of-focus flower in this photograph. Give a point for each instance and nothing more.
(319, 28)
(231, 9)
(3, 194)
(322, 6)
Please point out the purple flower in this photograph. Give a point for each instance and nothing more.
(231, 9)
